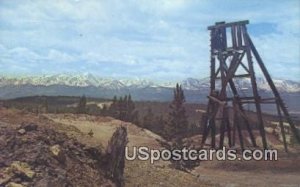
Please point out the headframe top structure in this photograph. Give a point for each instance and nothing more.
(232, 50)
(223, 24)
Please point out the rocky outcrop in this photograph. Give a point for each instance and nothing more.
(35, 155)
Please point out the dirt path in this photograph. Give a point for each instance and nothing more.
(259, 179)
(244, 178)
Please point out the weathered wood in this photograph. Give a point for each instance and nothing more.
(234, 123)
(240, 134)
(224, 38)
(245, 67)
(217, 100)
(222, 53)
(242, 75)
(272, 86)
(237, 123)
(216, 74)
(241, 109)
(213, 126)
(228, 24)
(255, 90)
(222, 129)
(205, 129)
(228, 129)
(281, 127)
(239, 36)
(115, 152)
(233, 36)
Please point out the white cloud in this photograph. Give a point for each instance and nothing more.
(55, 55)
(154, 38)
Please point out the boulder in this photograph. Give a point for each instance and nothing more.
(13, 184)
(5, 177)
(22, 169)
(58, 153)
(30, 127)
(21, 131)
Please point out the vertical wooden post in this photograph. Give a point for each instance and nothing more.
(233, 36)
(239, 36)
(281, 127)
(228, 129)
(234, 120)
(254, 88)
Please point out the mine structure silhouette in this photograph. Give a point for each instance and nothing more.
(232, 57)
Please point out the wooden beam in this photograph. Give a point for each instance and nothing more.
(216, 26)
(233, 36)
(255, 90)
(272, 86)
(241, 76)
(228, 129)
(281, 127)
(240, 107)
(234, 123)
(239, 129)
(245, 67)
(213, 133)
(217, 100)
(239, 36)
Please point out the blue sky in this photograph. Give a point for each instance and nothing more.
(155, 39)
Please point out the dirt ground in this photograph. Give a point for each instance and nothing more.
(284, 172)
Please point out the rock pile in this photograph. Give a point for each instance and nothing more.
(32, 155)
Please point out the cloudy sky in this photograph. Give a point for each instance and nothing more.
(156, 39)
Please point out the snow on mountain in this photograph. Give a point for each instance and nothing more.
(85, 80)
(195, 84)
(137, 83)
(262, 84)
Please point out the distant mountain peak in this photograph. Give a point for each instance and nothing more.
(88, 79)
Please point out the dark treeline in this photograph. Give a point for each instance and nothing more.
(165, 119)
(122, 109)
(170, 124)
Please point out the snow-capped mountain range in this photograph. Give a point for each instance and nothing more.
(89, 80)
(281, 85)
(82, 80)
(195, 90)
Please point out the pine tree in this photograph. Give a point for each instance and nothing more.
(177, 123)
(113, 108)
(148, 119)
(45, 105)
(81, 107)
(176, 128)
(123, 109)
(104, 110)
(131, 114)
(159, 123)
(135, 118)
(120, 109)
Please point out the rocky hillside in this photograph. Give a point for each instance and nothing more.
(41, 153)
